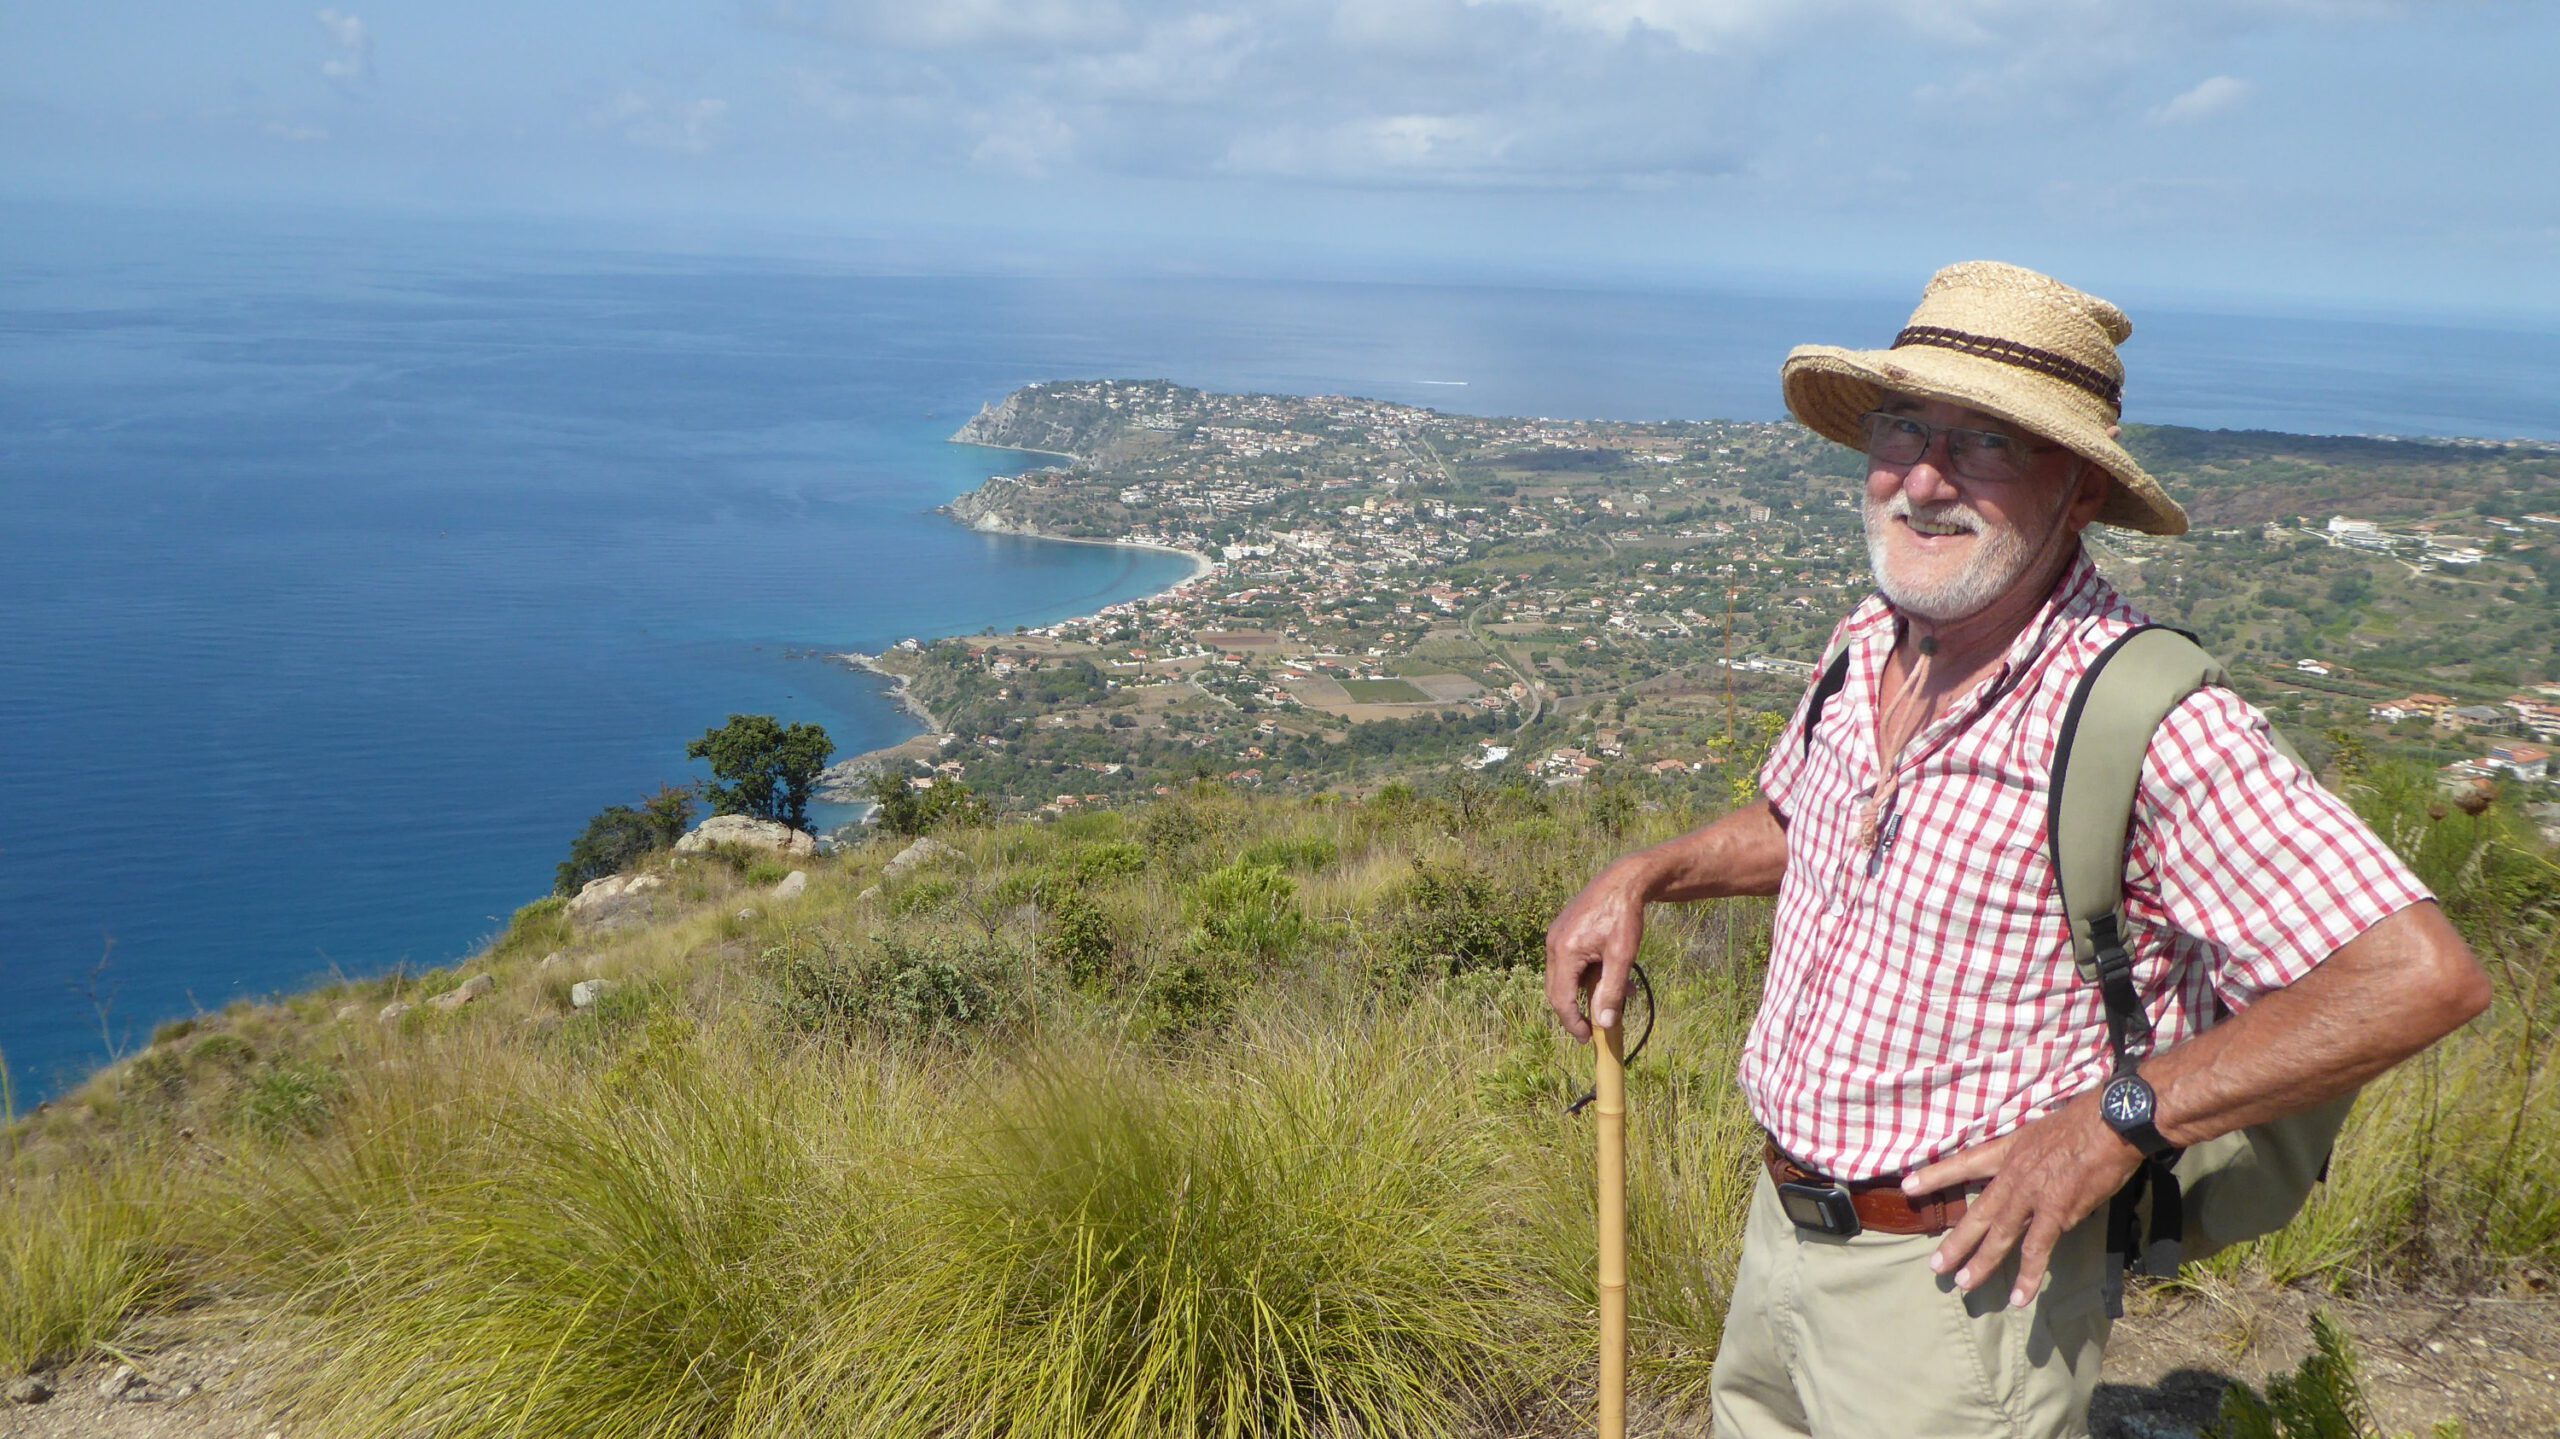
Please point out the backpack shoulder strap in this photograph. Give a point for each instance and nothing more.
(2129, 688)
(1834, 675)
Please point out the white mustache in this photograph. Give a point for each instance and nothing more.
(1952, 512)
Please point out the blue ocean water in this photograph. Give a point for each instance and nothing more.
(345, 572)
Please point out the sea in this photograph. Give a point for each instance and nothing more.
(346, 569)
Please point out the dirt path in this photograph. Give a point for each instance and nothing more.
(2492, 1362)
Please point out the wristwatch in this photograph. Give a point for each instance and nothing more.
(2130, 1107)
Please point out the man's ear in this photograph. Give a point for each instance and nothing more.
(2091, 487)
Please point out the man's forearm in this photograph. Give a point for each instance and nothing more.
(2391, 992)
(1742, 853)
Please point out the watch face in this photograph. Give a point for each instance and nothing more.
(2128, 1101)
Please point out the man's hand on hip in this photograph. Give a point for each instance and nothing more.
(2045, 1176)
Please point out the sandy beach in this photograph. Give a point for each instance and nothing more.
(844, 780)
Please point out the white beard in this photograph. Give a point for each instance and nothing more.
(2000, 555)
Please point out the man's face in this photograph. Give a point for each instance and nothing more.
(1945, 545)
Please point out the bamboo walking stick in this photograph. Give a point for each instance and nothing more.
(1612, 1126)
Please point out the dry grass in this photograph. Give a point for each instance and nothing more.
(1341, 1198)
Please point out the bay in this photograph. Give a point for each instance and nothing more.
(346, 569)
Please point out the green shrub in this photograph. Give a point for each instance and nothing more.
(1246, 909)
(171, 1031)
(1078, 937)
(1107, 861)
(932, 991)
(1191, 992)
(538, 928)
(1306, 853)
(288, 1100)
(766, 873)
(1454, 918)
(1190, 830)
(155, 1077)
(899, 809)
(738, 858)
(1091, 824)
(228, 1053)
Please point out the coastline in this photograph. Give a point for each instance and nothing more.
(842, 781)
(844, 775)
(1200, 564)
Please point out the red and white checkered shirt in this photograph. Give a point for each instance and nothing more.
(1936, 1005)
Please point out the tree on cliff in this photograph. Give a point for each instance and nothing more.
(901, 809)
(620, 835)
(762, 770)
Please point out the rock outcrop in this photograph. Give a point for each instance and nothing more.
(924, 851)
(616, 901)
(761, 834)
(465, 992)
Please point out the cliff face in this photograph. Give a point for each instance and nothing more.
(1027, 420)
(1091, 422)
(985, 507)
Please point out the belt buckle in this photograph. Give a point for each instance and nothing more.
(1822, 1208)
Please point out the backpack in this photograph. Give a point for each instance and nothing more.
(2187, 1204)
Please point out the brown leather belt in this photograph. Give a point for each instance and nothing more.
(1880, 1203)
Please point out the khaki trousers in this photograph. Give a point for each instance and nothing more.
(1856, 1339)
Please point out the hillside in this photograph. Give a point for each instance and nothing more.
(1226, 1113)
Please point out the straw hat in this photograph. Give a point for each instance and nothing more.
(2013, 344)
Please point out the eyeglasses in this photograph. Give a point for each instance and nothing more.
(1991, 455)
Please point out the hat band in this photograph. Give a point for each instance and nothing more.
(2026, 357)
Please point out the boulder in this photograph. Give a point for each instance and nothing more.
(29, 1389)
(125, 1380)
(746, 916)
(550, 961)
(391, 1012)
(927, 850)
(762, 834)
(465, 992)
(793, 885)
(586, 992)
(615, 897)
(349, 1011)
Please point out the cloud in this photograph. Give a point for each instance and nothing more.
(1695, 24)
(1560, 94)
(1034, 26)
(1024, 140)
(685, 127)
(350, 60)
(2210, 97)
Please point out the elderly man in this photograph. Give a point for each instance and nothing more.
(1923, 1038)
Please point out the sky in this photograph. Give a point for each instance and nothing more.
(2365, 154)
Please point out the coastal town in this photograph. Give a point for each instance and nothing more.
(1385, 591)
